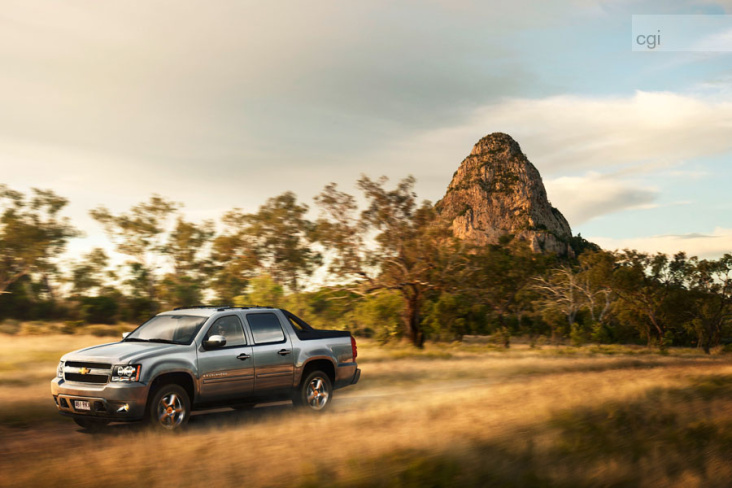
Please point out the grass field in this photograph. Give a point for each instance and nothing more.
(451, 415)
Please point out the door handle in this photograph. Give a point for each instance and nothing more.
(243, 356)
(284, 352)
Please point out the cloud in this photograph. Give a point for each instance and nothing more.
(583, 198)
(571, 132)
(172, 80)
(717, 42)
(709, 245)
(648, 135)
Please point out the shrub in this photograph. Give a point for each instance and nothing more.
(102, 330)
(10, 327)
(71, 326)
(99, 310)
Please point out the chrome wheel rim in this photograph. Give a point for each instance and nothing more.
(170, 411)
(317, 394)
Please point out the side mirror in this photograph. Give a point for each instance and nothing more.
(125, 334)
(214, 342)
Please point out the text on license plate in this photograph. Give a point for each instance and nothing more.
(81, 405)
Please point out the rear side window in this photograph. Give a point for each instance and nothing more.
(266, 328)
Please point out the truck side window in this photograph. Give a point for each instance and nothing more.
(230, 327)
(266, 328)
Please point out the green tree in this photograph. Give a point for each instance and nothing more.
(187, 252)
(33, 235)
(277, 240)
(380, 315)
(710, 304)
(649, 286)
(89, 275)
(500, 276)
(262, 291)
(141, 235)
(234, 258)
(413, 251)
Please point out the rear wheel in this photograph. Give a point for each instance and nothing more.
(169, 408)
(92, 425)
(315, 392)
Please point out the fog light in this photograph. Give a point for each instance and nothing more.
(123, 408)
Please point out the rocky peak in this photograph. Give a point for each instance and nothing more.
(495, 192)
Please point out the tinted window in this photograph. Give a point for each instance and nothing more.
(265, 328)
(294, 325)
(229, 327)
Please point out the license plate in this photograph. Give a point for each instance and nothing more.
(81, 405)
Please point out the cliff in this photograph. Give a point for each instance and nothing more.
(495, 192)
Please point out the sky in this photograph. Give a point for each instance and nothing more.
(225, 104)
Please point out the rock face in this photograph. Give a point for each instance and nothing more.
(496, 192)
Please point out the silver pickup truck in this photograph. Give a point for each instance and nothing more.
(204, 357)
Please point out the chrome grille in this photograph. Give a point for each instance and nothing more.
(87, 372)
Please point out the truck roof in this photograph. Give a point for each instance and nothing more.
(207, 311)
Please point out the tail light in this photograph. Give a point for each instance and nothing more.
(354, 348)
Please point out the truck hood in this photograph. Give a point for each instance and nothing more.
(122, 352)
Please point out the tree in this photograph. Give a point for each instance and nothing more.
(32, 234)
(186, 250)
(89, 275)
(234, 258)
(283, 240)
(262, 291)
(710, 284)
(649, 285)
(413, 251)
(277, 240)
(499, 275)
(594, 283)
(561, 290)
(141, 235)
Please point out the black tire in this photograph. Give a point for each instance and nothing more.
(315, 392)
(92, 425)
(169, 408)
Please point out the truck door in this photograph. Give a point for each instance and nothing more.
(226, 373)
(273, 358)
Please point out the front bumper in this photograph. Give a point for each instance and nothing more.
(113, 401)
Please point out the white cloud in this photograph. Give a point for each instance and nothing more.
(711, 245)
(582, 198)
(570, 132)
(648, 134)
(717, 42)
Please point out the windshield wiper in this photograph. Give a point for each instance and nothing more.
(134, 339)
(163, 341)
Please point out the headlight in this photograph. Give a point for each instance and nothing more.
(126, 372)
(60, 370)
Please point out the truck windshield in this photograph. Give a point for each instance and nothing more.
(173, 329)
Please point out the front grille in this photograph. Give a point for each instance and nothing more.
(77, 364)
(87, 372)
(86, 378)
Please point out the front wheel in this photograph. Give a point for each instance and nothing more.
(170, 407)
(315, 392)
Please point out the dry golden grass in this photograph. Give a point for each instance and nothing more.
(478, 418)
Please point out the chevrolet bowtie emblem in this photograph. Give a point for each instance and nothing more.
(84, 370)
